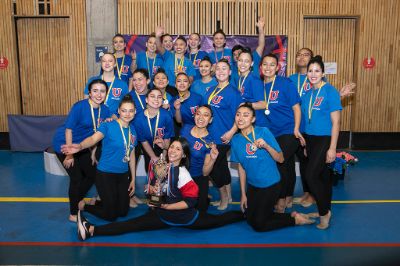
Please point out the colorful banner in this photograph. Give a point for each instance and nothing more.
(276, 44)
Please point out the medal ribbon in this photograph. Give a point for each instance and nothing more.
(195, 56)
(109, 89)
(240, 84)
(300, 89)
(215, 92)
(120, 68)
(140, 100)
(216, 57)
(126, 145)
(180, 65)
(269, 95)
(148, 64)
(207, 144)
(98, 116)
(247, 138)
(156, 126)
(310, 106)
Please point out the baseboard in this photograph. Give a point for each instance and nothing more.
(4, 141)
(376, 141)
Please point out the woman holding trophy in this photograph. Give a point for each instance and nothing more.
(178, 209)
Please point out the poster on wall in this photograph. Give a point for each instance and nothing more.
(276, 44)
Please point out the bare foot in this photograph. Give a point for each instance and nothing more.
(324, 221)
(73, 218)
(132, 203)
(137, 200)
(215, 203)
(301, 219)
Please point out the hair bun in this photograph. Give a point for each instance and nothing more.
(318, 57)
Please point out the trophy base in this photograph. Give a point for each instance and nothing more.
(156, 200)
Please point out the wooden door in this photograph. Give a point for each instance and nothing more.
(334, 39)
(45, 65)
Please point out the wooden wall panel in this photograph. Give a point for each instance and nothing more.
(9, 86)
(73, 54)
(376, 104)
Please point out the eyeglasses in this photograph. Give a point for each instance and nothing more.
(303, 55)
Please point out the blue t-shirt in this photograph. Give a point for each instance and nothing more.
(254, 70)
(224, 106)
(125, 69)
(302, 86)
(202, 88)
(113, 148)
(148, 63)
(261, 169)
(80, 121)
(256, 64)
(195, 58)
(138, 103)
(328, 101)
(198, 150)
(116, 91)
(165, 128)
(169, 66)
(251, 88)
(283, 97)
(216, 56)
(189, 107)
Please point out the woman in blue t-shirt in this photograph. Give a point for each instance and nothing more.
(256, 151)
(119, 139)
(203, 152)
(321, 110)
(282, 116)
(177, 211)
(187, 102)
(201, 86)
(82, 121)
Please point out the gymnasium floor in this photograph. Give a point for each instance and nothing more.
(364, 228)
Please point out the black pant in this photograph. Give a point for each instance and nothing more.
(151, 221)
(303, 166)
(202, 183)
(260, 209)
(81, 178)
(220, 173)
(317, 173)
(289, 145)
(113, 191)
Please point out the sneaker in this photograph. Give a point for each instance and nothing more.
(83, 227)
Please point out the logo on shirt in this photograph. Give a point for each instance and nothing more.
(193, 109)
(160, 132)
(249, 150)
(197, 145)
(318, 101)
(133, 139)
(217, 99)
(307, 87)
(274, 95)
(116, 92)
(125, 69)
(241, 90)
(196, 63)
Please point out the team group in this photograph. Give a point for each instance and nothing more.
(193, 108)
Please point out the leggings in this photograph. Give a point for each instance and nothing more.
(220, 173)
(260, 209)
(202, 183)
(81, 178)
(289, 145)
(151, 221)
(113, 191)
(303, 166)
(317, 172)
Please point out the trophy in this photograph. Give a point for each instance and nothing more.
(159, 173)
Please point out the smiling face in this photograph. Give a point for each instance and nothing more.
(205, 68)
(219, 40)
(202, 117)
(315, 74)
(194, 41)
(151, 45)
(140, 83)
(245, 62)
(269, 67)
(180, 46)
(108, 62)
(119, 44)
(303, 56)
(222, 72)
(126, 112)
(175, 153)
(154, 99)
(244, 118)
(160, 81)
(182, 83)
(97, 93)
(167, 42)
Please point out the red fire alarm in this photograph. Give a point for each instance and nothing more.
(369, 63)
(3, 62)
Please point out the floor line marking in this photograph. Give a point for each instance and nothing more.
(60, 199)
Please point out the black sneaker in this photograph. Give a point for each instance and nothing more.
(83, 227)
